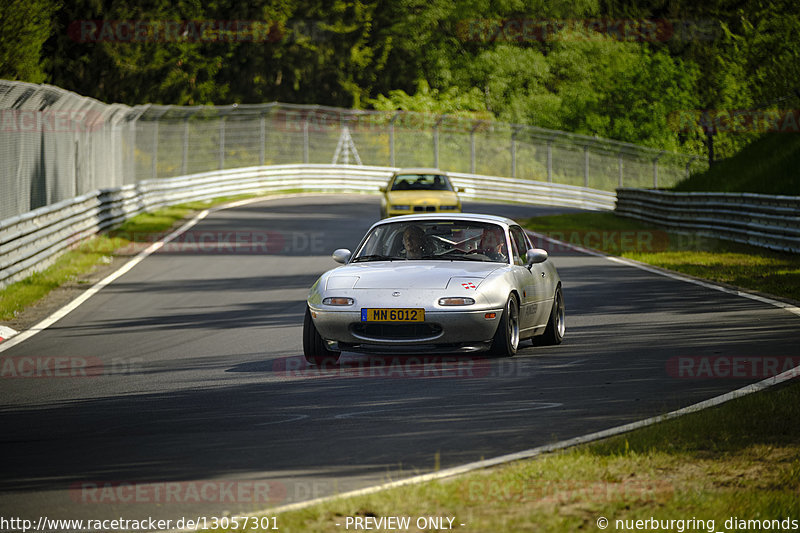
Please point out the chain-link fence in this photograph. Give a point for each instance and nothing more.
(56, 145)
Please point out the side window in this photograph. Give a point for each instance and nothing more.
(520, 245)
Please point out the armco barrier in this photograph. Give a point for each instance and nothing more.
(32, 241)
(757, 219)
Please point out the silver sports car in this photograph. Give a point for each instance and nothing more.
(435, 283)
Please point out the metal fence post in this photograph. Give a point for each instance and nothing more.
(185, 157)
(472, 148)
(655, 169)
(514, 152)
(549, 160)
(305, 139)
(222, 142)
(585, 165)
(689, 165)
(436, 141)
(619, 156)
(132, 148)
(391, 139)
(155, 149)
(262, 138)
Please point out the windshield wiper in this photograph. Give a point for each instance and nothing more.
(376, 257)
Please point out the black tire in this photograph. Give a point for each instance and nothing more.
(506, 338)
(556, 326)
(314, 347)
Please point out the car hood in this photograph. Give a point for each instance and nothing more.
(422, 197)
(409, 274)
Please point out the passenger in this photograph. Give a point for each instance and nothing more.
(493, 244)
(414, 242)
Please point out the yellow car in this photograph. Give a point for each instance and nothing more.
(419, 190)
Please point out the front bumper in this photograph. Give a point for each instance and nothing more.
(455, 330)
(391, 211)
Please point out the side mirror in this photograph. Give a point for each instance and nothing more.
(535, 256)
(342, 255)
(461, 189)
(382, 188)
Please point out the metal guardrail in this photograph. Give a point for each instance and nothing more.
(761, 220)
(32, 241)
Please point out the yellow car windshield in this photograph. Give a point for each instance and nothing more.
(421, 182)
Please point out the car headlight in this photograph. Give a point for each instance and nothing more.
(401, 207)
(456, 300)
(338, 300)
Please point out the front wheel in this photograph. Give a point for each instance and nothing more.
(506, 339)
(556, 326)
(314, 347)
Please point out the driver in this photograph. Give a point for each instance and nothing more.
(493, 244)
(414, 242)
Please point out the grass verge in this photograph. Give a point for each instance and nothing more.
(86, 256)
(768, 165)
(741, 265)
(737, 461)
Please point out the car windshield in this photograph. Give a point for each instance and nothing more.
(425, 240)
(421, 182)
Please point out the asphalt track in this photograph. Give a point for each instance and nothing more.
(196, 400)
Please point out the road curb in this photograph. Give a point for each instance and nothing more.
(6, 333)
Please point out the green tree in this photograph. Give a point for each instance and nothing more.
(24, 27)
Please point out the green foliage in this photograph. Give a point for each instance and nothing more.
(427, 100)
(24, 27)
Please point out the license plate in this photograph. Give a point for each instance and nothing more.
(392, 315)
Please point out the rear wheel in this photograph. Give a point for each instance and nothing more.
(556, 326)
(506, 339)
(314, 347)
